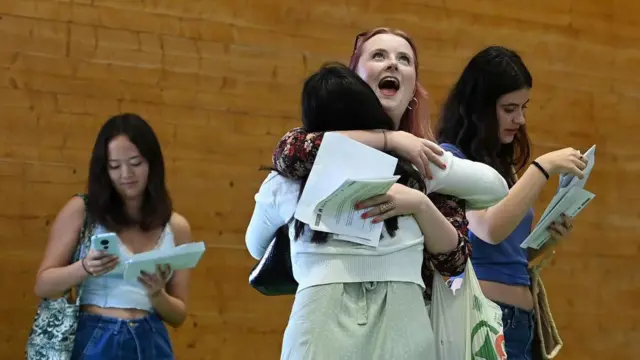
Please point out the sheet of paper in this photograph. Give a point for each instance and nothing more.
(339, 159)
(184, 256)
(337, 214)
(568, 182)
(574, 201)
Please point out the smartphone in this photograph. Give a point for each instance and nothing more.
(108, 243)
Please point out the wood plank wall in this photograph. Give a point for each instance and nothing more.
(220, 81)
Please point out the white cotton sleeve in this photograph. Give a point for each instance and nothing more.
(275, 204)
(478, 184)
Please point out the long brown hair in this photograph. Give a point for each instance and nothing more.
(105, 205)
(469, 120)
(415, 119)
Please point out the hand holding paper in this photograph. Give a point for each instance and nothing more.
(185, 256)
(337, 212)
(568, 181)
(564, 161)
(570, 199)
(154, 283)
(560, 229)
(345, 172)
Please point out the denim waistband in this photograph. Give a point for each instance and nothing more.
(152, 320)
(515, 313)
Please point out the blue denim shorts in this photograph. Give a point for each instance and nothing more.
(519, 327)
(105, 338)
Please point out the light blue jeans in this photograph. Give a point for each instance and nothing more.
(106, 338)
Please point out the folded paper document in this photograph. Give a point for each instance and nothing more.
(337, 213)
(185, 256)
(345, 172)
(570, 199)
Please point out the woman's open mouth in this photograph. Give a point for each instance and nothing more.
(389, 85)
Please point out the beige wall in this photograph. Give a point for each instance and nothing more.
(220, 80)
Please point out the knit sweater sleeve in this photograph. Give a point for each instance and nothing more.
(451, 263)
(295, 153)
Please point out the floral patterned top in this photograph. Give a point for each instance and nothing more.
(294, 157)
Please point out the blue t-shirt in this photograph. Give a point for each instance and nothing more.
(505, 262)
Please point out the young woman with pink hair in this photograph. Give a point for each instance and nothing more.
(356, 302)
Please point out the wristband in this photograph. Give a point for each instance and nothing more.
(542, 170)
(85, 267)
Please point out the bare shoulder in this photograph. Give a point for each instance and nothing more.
(181, 228)
(64, 234)
(72, 212)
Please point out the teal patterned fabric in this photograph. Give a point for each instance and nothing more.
(54, 326)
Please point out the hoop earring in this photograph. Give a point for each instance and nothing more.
(409, 106)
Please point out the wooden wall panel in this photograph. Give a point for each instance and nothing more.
(220, 82)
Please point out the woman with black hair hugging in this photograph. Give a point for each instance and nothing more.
(355, 301)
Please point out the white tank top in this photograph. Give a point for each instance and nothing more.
(111, 290)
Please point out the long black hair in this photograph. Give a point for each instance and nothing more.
(105, 205)
(469, 120)
(335, 98)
